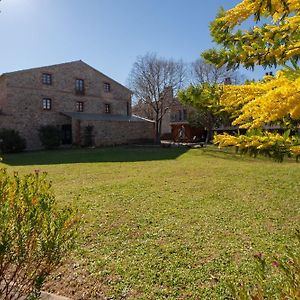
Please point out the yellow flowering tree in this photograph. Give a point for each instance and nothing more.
(275, 42)
(274, 100)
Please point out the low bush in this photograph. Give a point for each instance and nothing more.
(50, 136)
(277, 277)
(34, 234)
(11, 141)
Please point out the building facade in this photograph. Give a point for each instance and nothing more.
(176, 122)
(72, 96)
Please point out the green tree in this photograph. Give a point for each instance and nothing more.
(205, 98)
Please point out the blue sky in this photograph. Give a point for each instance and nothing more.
(107, 34)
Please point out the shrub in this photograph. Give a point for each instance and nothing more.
(34, 234)
(50, 136)
(277, 277)
(11, 141)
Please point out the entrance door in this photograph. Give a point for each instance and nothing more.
(66, 133)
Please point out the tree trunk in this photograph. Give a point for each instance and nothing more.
(157, 131)
(209, 135)
(210, 128)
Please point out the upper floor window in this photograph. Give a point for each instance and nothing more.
(106, 87)
(107, 108)
(179, 115)
(79, 106)
(47, 79)
(47, 103)
(79, 86)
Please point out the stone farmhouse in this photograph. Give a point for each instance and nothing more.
(72, 96)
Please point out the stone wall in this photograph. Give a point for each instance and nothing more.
(2, 92)
(118, 132)
(22, 102)
(6, 121)
(26, 88)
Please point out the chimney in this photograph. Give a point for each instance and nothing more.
(167, 94)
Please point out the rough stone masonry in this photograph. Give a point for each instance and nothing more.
(71, 96)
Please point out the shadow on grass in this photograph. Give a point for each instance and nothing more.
(107, 154)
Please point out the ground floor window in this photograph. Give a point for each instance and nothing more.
(47, 103)
(79, 106)
(107, 108)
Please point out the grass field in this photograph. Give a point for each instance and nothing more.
(167, 223)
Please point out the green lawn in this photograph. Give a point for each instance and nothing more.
(167, 223)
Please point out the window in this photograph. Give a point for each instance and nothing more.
(47, 103)
(79, 86)
(179, 115)
(47, 79)
(185, 114)
(107, 108)
(79, 106)
(106, 87)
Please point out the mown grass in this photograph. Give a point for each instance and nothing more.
(167, 223)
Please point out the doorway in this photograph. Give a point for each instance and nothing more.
(66, 134)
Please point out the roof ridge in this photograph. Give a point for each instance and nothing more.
(34, 68)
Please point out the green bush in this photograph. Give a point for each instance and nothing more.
(50, 136)
(11, 141)
(34, 234)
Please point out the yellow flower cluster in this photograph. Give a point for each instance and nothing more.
(266, 140)
(280, 38)
(274, 8)
(295, 150)
(272, 144)
(260, 103)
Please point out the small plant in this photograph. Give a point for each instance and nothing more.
(34, 234)
(11, 141)
(50, 136)
(277, 277)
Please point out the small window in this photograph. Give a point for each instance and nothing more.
(185, 114)
(47, 79)
(79, 106)
(179, 115)
(107, 108)
(79, 86)
(47, 103)
(106, 87)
